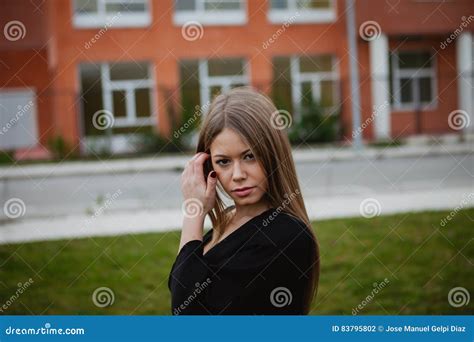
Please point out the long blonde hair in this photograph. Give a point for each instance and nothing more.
(255, 118)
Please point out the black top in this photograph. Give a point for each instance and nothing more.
(263, 267)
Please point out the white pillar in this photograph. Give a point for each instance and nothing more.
(464, 64)
(379, 72)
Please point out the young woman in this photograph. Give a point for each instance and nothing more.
(261, 257)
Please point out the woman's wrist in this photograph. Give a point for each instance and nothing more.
(192, 229)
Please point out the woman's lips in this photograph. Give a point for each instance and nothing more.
(244, 192)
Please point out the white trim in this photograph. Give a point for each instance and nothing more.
(380, 88)
(415, 74)
(225, 82)
(112, 20)
(315, 78)
(294, 15)
(465, 69)
(205, 17)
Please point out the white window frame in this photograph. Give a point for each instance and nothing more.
(298, 78)
(212, 18)
(294, 15)
(116, 20)
(225, 82)
(414, 74)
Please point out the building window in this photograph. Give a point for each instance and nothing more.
(413, 80)
(309, 79)
(302, 11)
(122, 89)
(202, 80)
(211, 12)
(116, 13)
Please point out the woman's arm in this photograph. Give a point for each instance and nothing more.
(192, 230)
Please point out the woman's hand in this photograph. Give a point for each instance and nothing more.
(199, 195)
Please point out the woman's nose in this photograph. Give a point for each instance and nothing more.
(238, 172)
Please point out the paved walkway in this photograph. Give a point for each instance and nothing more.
(133, 222)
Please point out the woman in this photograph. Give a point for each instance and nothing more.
(261, 257)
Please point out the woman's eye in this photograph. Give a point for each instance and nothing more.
(222, 162)
(249, 156)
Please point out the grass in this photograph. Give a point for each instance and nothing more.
(421, 260)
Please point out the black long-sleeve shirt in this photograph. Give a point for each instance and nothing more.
(263, 267)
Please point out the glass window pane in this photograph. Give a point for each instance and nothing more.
(119, 101)
(215, 90)
(425, 89)
(91, 96)
(185, 5)
(306, 93)
(281, 85)
(85, 6)
(190, 87)
(210, 5)
(125, 6)
(142, 129)
(128, 71)
(313, 4)
(142, 103)
(406, 90)
(414, 60)
(327, 93)
(226, 67)
(279, 4)
(315, 63)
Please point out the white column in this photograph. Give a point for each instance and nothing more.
(379, 72)
(464, 64)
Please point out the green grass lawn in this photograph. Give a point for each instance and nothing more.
(421, 260)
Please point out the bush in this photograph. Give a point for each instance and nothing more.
(314, 126)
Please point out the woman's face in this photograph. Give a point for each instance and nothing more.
(238, 171)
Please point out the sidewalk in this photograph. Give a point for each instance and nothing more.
(171, 163)
(133, 222)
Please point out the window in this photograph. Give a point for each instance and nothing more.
(308, 79)
(210, 12)
(413, 80)
(302, 11)
(123, 89)
(202, 80)
(116, 13)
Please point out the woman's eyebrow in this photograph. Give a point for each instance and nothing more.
(224, 156)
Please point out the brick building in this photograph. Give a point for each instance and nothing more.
(65, 62)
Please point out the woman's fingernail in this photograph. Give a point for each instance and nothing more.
(213, 174)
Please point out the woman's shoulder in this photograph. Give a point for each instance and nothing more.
(281, 228)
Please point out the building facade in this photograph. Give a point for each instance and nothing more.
(98, 73)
